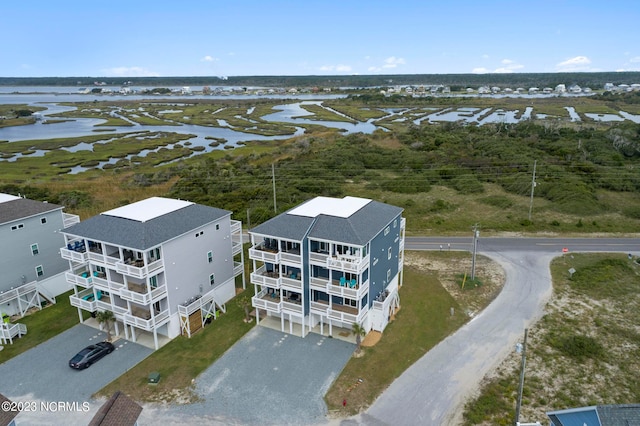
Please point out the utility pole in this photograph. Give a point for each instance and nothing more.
(522, 367)
(533, 185)
(273, 178)
(476, 234)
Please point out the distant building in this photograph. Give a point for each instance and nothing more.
(329, 263)
(30, 240)
(162, 266)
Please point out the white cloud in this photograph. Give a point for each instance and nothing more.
(129, 72)
(635, 59)
(485, 56)
(374, 69)
(506, 61)
(578, 63)
(208, 58)
(480, 70)
(393, 62)
(508, 66)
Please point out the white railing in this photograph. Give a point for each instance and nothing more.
(143, 298)
(138, 271)
(106, 306)
(291, 284)
(103, 258)
(357, 292)
(238, 268)
(258, 278)
(321, 308)
(318, 258)
(9, 331)
(319, 283)
(14, 293)
(264, 256)
(79, 301)
(236, 226)
(347, 263)
(290, 257)
(147, 324)
(292, 307)
(108, 285)
(236, 248)
(74, 278)
(403, 223)
(348, 317)
(272, 306)
(69, 219)
(76, 256)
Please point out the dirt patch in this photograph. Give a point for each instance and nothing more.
(371, 338)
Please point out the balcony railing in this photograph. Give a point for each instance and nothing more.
(260, 253)
(143, 298)
(108, 285)
(347, 313)
(84, 300)
(318, 258)
(78, 279)
(290, 257)
(347, 263)
(292, 307)
(333, 287)
(138, 270)
(236, 226)
(238, 268)
(319, 307)
(76, 256)
(264, 300)
(14, 293)
(291, 284)
(103, 258)
(265, 278)
(144, 323)
(105, 305)
(69, 219)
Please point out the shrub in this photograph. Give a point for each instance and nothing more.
(578, 346)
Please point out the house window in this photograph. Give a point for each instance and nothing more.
(43, 220)
(210, 256)
(389, 254)
(39, 270)
(388, 275)
(212, 279)
(386, 231)
(217, 226)
(34, 249)
(395, 223)
(18, 226)
(153, 281)
(351, 302)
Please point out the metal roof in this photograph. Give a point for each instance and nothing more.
(358, 228)
(140, 235)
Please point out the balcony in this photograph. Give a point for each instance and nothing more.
(108, 259)
(138, 294)
(265, 278)
(141, 318)
(107, 285)
(238, 268)
(268, 301)
(334, 287)
(347, 263)
(236, 226)
(319, 307)
(69, 219)
(264, 253)
(318, 258)
(14, 293)
(291, 283)
(137, 268)
(292, 306)
(105, 304)
(84, 300)
(79, 256)
(291, 257)
(83, 278)
(348, 314)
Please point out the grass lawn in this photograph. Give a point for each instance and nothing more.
(43, 325)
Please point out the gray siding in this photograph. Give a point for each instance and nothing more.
(16, 259)
(186, 264)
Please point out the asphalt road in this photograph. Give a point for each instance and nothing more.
(432, 391)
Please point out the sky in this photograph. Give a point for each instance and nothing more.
(135, 38)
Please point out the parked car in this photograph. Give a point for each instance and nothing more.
(90, 354)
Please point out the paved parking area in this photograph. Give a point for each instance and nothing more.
(267, 378)
(43, 373)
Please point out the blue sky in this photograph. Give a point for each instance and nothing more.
(120, 38)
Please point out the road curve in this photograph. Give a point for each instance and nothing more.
(432, 391)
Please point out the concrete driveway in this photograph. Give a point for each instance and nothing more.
(43, 373)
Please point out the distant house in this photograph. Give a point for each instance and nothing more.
(162, 266)
(7, 416)
(597, 415)
(329, 263)
(561, 88)
(119, 410)
(30, 264)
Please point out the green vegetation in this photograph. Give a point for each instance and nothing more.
(584, 351)
(43, 325)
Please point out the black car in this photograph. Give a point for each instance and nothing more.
(90, 354)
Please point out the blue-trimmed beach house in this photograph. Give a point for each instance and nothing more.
(328, 263)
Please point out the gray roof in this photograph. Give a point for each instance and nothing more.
(599, 415)
(6, 416)
(119, 410)
(13, 210)
(357, 229)
(143, 235)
